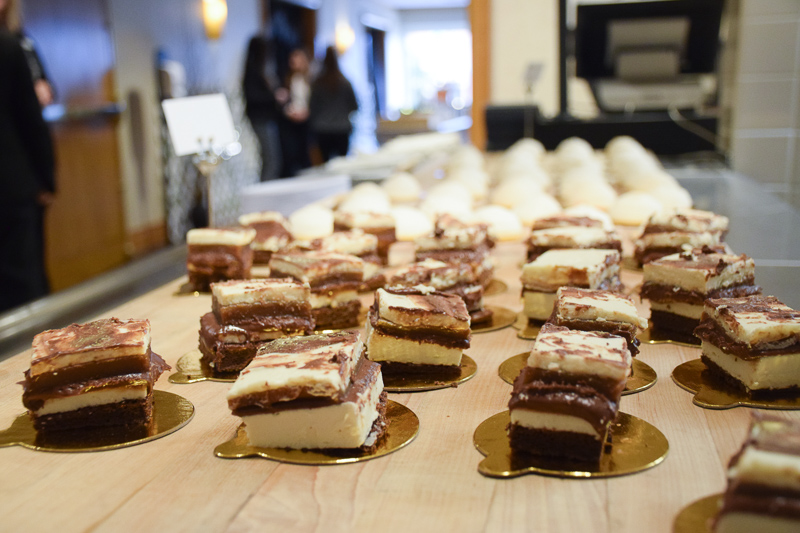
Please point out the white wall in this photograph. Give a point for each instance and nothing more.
(524, 31)
(141, 28)
(765, 111)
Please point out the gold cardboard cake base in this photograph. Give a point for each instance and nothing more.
(191, 369)
(642, 375)
(421, 382)
(634, 446)
(654, 336)
(495, 287)
(502, 317)
(696, 517)
(711, 393)
(402, 426)
(527, 330)
(170, 413)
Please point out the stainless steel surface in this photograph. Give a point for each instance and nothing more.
(80, 303)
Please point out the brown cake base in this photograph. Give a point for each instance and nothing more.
(554, 444)
(412, 370)
(672, 323)
(343, 316)
(480, 316)
(123, 416)
(228, 357)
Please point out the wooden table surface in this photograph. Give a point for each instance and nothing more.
(177, 484)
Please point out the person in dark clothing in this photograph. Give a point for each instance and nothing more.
(294, 123)
(27, 179)
(331, 104)
(10, 20)
(263, 106)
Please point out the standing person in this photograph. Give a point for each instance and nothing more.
(10, 21)
(263, 104)
(332, 102)
(294, 126)
(27, 181)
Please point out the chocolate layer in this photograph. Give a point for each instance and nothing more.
(34, 398)
(341, 316)
(208, 264)
(672, 323)
(440, 336)
(289, 317)
(708, 330)
(95, 370)
(414, 371)
(669, 293)
(563, 397)
(480, 316)
(273, 401)
(762, 499)
(557, 444)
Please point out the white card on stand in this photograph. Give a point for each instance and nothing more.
(196, 123)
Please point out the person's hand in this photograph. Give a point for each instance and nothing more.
(44, 92)
(297, 115)
(45, 198)
(282, 95)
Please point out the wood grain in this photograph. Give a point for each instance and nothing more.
(176, 483)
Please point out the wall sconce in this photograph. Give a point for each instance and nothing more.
(215, 13)
(344, 37)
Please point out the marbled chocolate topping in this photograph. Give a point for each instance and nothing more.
(280, 399)
(565, 221)
(104, 334)
(772, 309)
(430, 302)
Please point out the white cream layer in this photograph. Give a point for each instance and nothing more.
(605, 306)
(254, 291)
(332, 298)
(538, 305)
(678, 308)
(577, 267)
(92, 398)
(240, 237)
(771, 372)
(553, 422)
(385, 348)
(768, 468)
(344, 425)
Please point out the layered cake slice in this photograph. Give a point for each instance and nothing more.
(314, 392)
(587, 269)
(598, 310)
(458, 279)
(381, 225)
(362, 245)
(678, 284)
(418, 331)
(453, 241)
(752, 343)
(671, 232)
(94, 375)
(272, 234)
(247, 313)
(763, 491)
(334, 280)
(568, 395)
(542, 240)
(218, 255)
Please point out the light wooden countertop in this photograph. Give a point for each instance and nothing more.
(177, 484)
